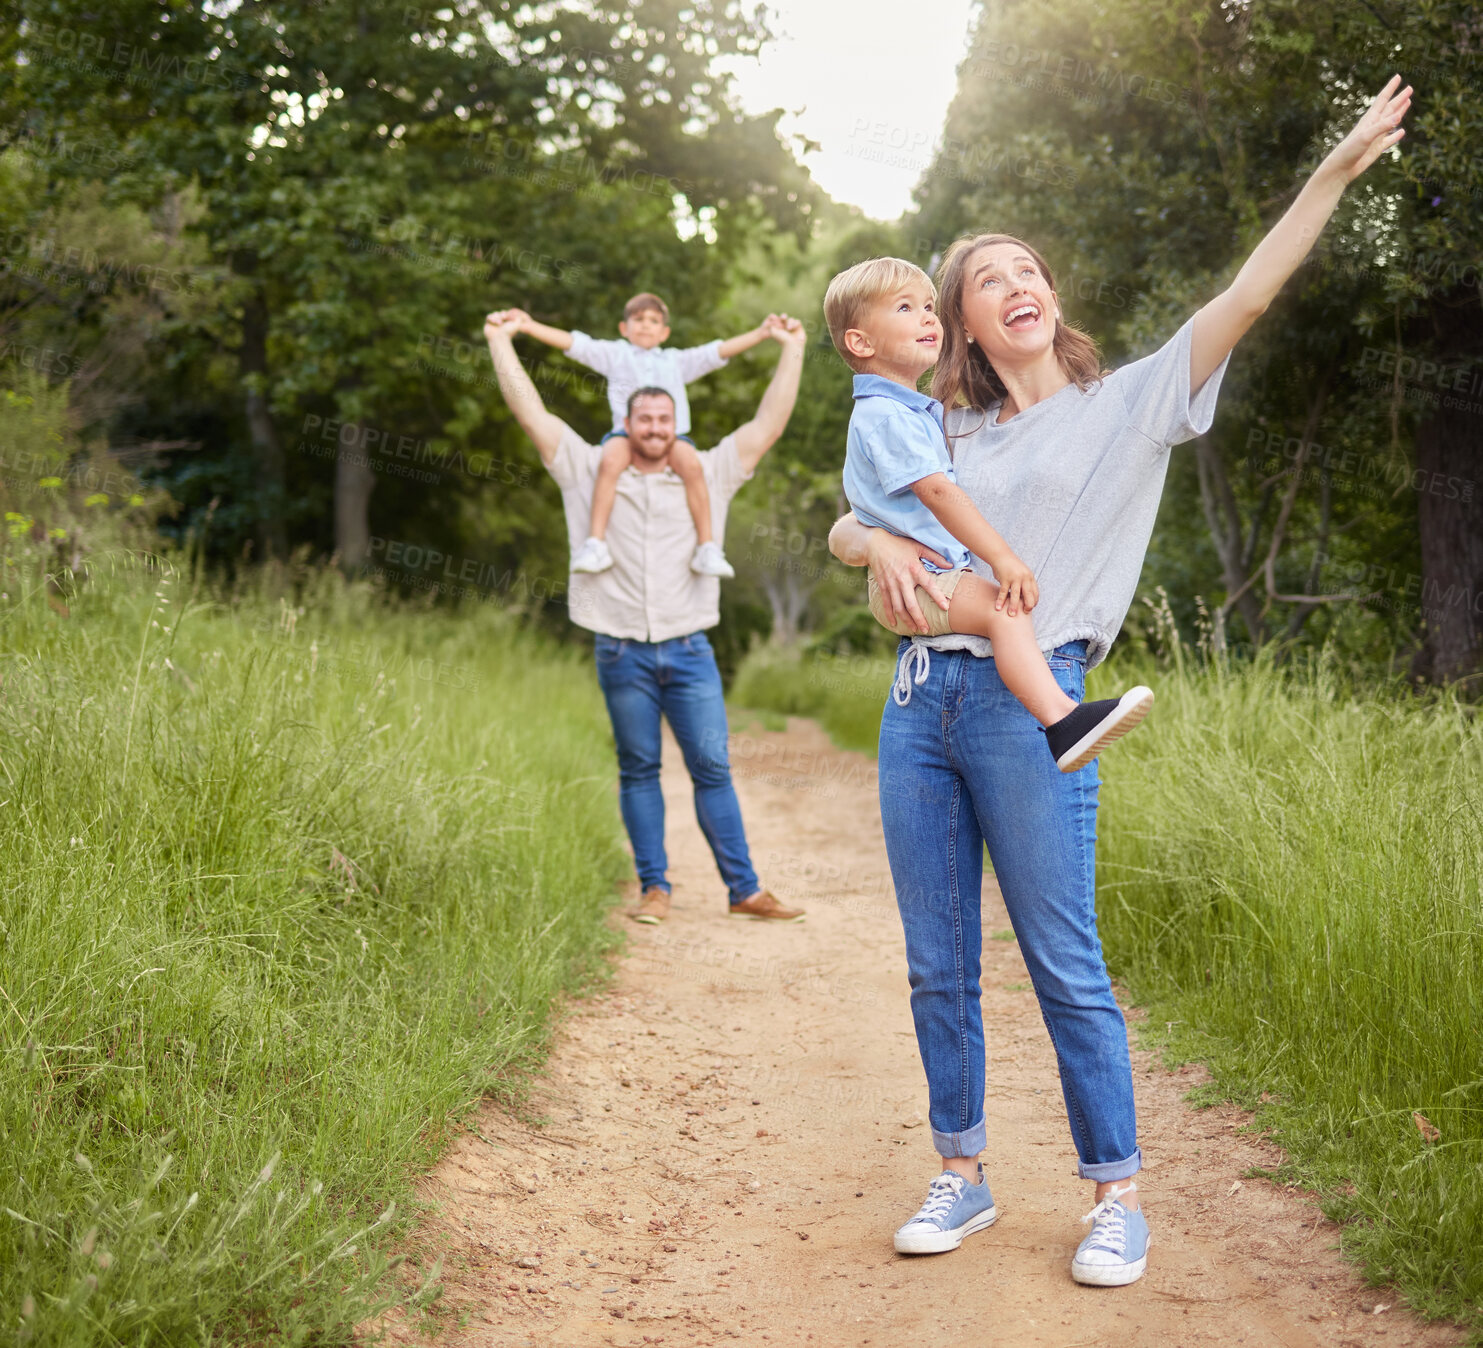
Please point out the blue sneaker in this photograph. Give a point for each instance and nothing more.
(1116, 1251)
(954, 1209)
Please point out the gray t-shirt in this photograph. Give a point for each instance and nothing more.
(1073, 485)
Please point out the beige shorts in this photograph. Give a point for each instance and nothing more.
(937, 618)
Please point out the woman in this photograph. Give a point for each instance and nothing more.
(1068, 465)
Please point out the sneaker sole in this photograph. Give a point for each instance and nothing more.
(1132, 707)
(759, 917)
(648, 919)
(941, 1242)
(1109, 1275)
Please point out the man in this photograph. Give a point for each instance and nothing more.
(650, 610)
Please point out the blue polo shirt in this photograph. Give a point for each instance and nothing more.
(896, 438)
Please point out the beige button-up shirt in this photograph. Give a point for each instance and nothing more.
(649, 593)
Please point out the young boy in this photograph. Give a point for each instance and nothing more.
(898, 475)
(641, 360)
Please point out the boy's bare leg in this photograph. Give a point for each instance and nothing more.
(1017, 657)
(616, 456)
(685, 461)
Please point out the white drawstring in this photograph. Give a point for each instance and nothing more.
(916, 655)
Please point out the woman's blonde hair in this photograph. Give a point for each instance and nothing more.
(964, 376)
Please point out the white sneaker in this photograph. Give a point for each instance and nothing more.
(1115, 1252)
(593, 556)
(709, 560)
(954, 1209)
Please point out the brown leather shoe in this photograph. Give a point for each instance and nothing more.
(653, 907)
(763, 907)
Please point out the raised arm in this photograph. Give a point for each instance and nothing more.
(761, 433)
(543, 427)
(560, 338)
(734, 346)
(1224, 321)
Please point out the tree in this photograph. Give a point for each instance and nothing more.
(373, 177)
(1148, 149)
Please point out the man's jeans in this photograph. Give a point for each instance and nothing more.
(963, 763)
(642, 680)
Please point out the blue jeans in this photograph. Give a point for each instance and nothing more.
(961, 765)
(677, 679)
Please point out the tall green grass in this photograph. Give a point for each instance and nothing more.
(285, 884)
(1291, 870)
(1290, 873)
(844, 693)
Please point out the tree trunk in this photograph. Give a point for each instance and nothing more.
(1223, 518)
(1449, 464)
(788, 596)
(267, 452)
(354, 483)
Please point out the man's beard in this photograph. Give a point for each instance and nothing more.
(652, 449)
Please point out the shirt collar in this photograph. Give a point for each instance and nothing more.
(878, 386)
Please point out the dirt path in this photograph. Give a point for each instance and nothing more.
(732, 1135)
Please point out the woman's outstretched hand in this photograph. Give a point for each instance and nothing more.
(1222, 322)
(1374, 133)
(896, 564)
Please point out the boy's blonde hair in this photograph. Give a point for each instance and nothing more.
(642, 303)
(856, 288)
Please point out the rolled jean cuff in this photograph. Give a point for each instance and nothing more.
(968, 1143)
(1107, 1171)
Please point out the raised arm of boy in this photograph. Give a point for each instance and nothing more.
(560, 338)
(734, 346)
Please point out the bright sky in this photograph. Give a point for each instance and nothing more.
(870, 80)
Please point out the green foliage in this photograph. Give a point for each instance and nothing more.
(1291, 872)
(361, 183)
(293, 878)
(844, 694)
(1146, 151)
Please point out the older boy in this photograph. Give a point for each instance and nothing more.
(641, 360)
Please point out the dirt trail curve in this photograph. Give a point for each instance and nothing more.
(733, 1133)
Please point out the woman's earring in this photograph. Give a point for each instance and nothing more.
(970, 339)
